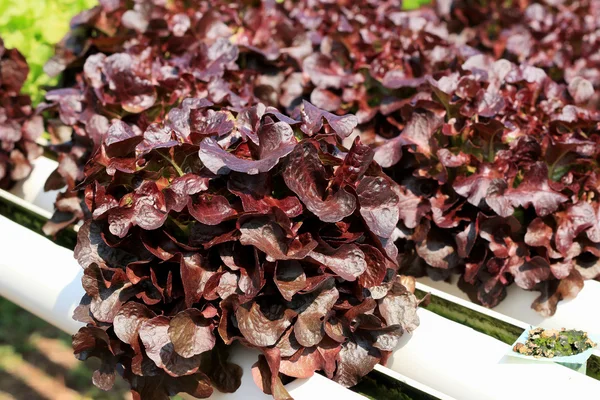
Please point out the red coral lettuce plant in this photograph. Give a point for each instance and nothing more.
(219, 226)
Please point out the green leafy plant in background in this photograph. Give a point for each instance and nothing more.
(406, 4)
(414, 4)
(33, 27)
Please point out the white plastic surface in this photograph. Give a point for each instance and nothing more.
(319, 387)
(32, 189)
(313, 388)
(468, 365)
(39, 275)
(578, 313)
(411, 382)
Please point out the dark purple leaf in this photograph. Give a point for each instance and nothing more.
(312, 121)
(219, 161)
(379, 205)
(191, 333)
(347, 261)
(306, 176)
(263, 329)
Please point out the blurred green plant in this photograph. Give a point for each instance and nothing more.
(406, 4)
(414, 4)
(33, 27)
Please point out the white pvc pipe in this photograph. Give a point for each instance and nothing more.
(470, 305)
(578, 313)
(319, 387)
(32, 189)
(468, 365)
(39, 276)
(45, 279)
(569, 316)
(413, 383)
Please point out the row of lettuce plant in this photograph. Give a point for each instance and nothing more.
(478, 144)
(559, 36)
(19, 126)
(190, 136)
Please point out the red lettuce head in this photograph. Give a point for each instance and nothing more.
(221, 226)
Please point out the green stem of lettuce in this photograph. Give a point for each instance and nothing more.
(173, 163)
